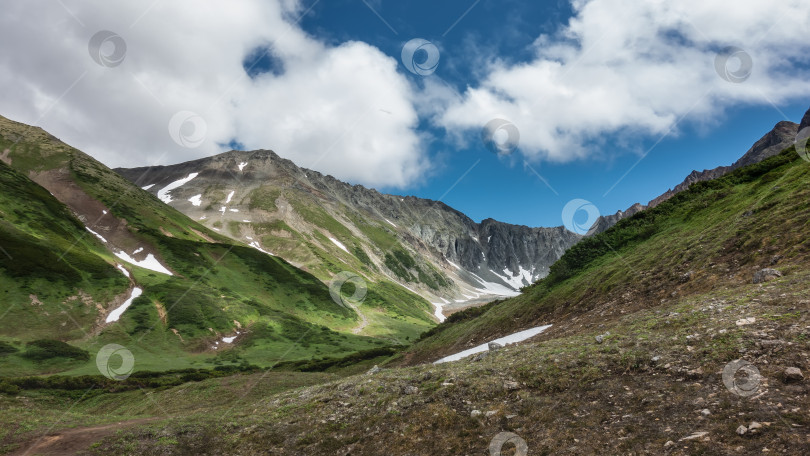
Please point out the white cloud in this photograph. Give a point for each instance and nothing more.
(637, 67)
(342, 110)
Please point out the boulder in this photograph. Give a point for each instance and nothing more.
(793, 374)
(766, 275)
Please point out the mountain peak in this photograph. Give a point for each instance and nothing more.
(805, 121)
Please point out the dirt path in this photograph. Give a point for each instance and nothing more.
(73, 441)
(363, 318)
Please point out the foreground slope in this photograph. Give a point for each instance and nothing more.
(79, 241)
(670, 295)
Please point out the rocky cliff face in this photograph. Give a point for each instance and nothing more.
(322, 224)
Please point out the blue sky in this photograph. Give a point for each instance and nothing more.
(615, 101)
(508, 189)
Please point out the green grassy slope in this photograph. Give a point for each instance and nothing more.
(716, 234)
(59, 281)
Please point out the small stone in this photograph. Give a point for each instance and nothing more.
(410, 389)
(793, 374)
(480, 356)
(669, 443)
(600, 339)
(491, 413)
(475, 413)
(373, 370)
(754, 427)
(705, 412)
(694, 436)
(510, 385)
(742, 430)
(655, 359)
(494, 346)
(746, 321)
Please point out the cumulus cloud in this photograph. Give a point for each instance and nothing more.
(637, 68)
(343, 110)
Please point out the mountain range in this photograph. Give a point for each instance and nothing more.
(321, 224)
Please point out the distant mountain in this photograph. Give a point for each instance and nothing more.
(320, 223)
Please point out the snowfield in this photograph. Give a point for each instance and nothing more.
(339, 244)
(97, 235)
(196, 200)
(150, 262)
(163, 194)
(116, 314)
(510, 339)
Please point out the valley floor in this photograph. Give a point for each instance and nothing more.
(655, 384)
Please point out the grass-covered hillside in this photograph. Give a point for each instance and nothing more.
(714, 236)
(650, 320)
(60, 281)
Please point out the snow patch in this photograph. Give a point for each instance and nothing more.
(510, 339)
(245, 221)
(138, 250)
(234, 210)
(123, 269)
(389, 221)
(97, 235)
(494, 288)
(242, 166)
(453, 264)
(230, 197)
(438, 312)
(229, 340)
(258, 247)
(148, 187)
(163, 194)
(517, 281)
(203, 217)
(196, 200)
(104, 212)
(223, 209)
(339, 244)
(150, 262)
(116, 314)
